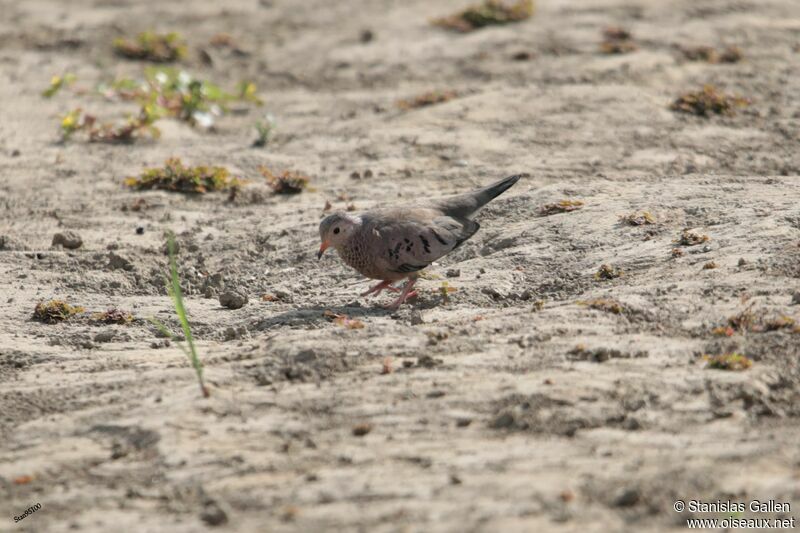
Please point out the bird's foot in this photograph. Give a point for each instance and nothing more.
(405, 295)
(376, 289)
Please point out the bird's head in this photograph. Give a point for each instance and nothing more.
(335, 229)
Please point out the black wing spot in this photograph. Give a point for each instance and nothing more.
(407, 267)
(439, 237)
(425, 244)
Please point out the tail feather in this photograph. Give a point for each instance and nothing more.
(465, 205)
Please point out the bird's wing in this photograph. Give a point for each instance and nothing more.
(408, 240)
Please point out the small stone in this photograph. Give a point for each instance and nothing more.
(68, 239)
(232, 299)
(416, 318)
(366, 36)
(368, 173)
(796, 298)
(359, 430)
(140, 230)
(116, 262)
(453, 273)
(15, 153)
(212, 514)
(742, 261)
(305, 356)
(105, 336)
(628, 498)
(355, 175)
(463, 422)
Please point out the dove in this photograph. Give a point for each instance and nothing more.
(396, 243)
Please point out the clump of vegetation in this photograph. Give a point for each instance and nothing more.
(743, 320)
(490, 12)
(710, 265)
(691, 238)
(57, 83)
(707, 101)
(264, 128)
(288, 182)
(729, 54)
(178, 94)
(638, 218)
(55, 311)
(562, 206)
(152, 46)
(748, 320)
(426, 99)
(723, 331)
(779, 322)
(617, 41)
(112, 316)
(728, 361)
(135, 127)
(607, 272)
(164, 92)
(604, 304)
(174, 176)
(174, 290)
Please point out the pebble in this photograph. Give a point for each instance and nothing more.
(628, 498)
(453, 273)
(68, 239)
(116, 261)
(105, 336)
(796, 298)
(232, 299)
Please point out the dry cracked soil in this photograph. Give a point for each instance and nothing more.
(546, 392)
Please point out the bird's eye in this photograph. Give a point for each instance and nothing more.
(335, 231)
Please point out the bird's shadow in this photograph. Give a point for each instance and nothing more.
(314, 315)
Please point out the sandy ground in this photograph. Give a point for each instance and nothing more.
(492, 419)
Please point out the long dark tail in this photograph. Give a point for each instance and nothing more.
(464, 205)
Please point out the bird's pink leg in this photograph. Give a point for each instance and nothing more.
(405, 295)
(385, 284)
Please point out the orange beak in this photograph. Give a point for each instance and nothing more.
(322, 248)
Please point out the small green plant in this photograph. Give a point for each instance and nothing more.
(151, 46)
(490, 12)
(57, 83)
(133, 128)
(444, 291)
(175, 176)
(264, 127)
(174, 290)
